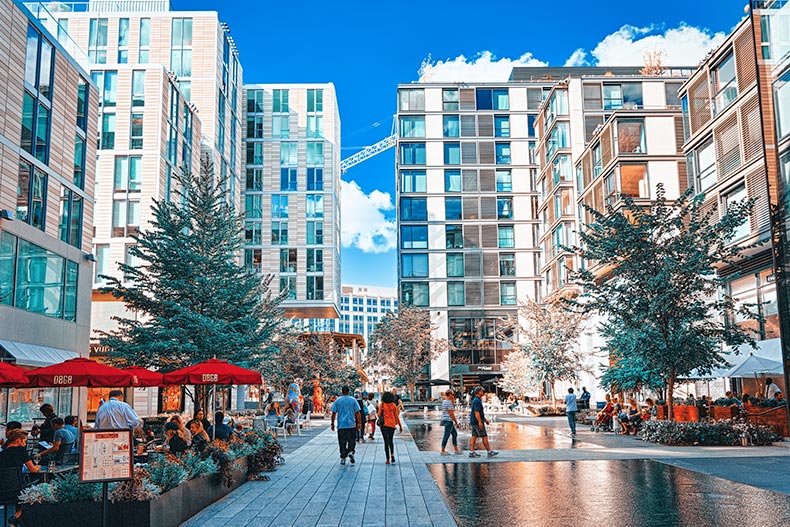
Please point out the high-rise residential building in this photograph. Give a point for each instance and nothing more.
(292, 194)
(47, 148)
(362, 306)
(736, 110)
(468, 214)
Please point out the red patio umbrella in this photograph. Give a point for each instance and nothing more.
(79, 372)
(213, 371)
(143, 377)
(11, 375)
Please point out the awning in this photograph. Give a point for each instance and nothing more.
(35, 356)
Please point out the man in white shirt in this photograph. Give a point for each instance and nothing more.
(771, 388)
(116, 414)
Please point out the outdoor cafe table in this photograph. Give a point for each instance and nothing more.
(44, 474)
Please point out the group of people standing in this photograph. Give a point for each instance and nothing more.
(353, 416)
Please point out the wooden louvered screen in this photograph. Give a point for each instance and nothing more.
(490, 236)
(469, 180)
(586, 170)
(471, 236)
(487, 156)
(488, 208)
(487, 180)
(472, 264)
(485, 125)
(683, 178)
(699, 104)
(468, 153)
(474, 294)
(470, 209)
(710, 205)
(744, 60)
(751, 129)
(468, 128)
(466, 97)
(679, 134)
(606, 145)
(757, 187)
(728, 150)
(491, 293)
(490, 264)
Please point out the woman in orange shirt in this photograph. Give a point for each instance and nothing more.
(390, 415)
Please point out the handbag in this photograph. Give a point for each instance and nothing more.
(380, 420)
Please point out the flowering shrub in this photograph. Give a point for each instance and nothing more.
(727, 432)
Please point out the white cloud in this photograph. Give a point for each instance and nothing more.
(683, 46)
(484, 67)
(363, 223)
(577, 58)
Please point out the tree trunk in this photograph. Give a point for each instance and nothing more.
(553, 393)
(412, 390)
(670, 395)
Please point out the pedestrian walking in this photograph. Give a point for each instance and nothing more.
(373, 412)
(346, 410)
(363, 417)
(449, 422)
(478, 421)
(570, 410)
(389, 418)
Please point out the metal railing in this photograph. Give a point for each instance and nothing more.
(107, 6)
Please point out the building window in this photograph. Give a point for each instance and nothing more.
(631, 136)
(254, 153)
(315, 206)
(504, 208)
(451, 126)
(413, 209)
(782, 104)
(414, 265)
(181, 47)
(107, 141)
(411, 100)
(507, 293)
(725, 85)
(102, 267)
(253, 206)
(633, 180)
(288, 154)
(506, 237)
(315, 153)
(561, 169)
(558, 138)
(701, 165)
(507, 264)
(138, 88)
(97, 40)
(450, 99)
(125, 217)
(79, 161)
(39, 65)
(31, 199)
(315, 126)
(503, 153)
(279, 207)
(452, 153)
(454, 236)
(123, 41)
(145, 41)
(288, 287)
(563, 203)
(414, 236)
(315, 179)
(492, 99)
(412, 153)
(315, 260)
(288, 260)
(315, 288)
(501, 126)
(136, 133)
(455, 293)
(736, 196)
(618, 96)
(452, 181)
(254, 179)
(315, 233)
(412, 126)
(452, 209)
(315, 100)
(82, 105)
(415, 294)
(128, 174)
(254, 127)
(280, 101)
(279, 233)
(413, 181)
(280, 127)
(455, 265)
(253, 233)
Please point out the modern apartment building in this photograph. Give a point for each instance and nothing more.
(292, 194)
(468, 214)
(47, 130)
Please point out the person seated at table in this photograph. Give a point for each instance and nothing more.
(70, 424)
(61, 438)
(200, 439)
(10, 426)
(650, 412)
(219, 430)
(174, 439)
(200, 415)
(15, 456)
(634, 418)
(35, 432)
(730, 399)
(690, 400)
(290, 418)
(184, 430)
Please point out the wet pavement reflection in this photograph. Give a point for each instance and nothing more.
(637, 493)
(501, 435)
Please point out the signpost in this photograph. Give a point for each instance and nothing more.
(106, 455)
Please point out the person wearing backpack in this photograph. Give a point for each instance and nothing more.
(373, 411)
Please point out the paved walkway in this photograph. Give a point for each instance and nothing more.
(313, 489)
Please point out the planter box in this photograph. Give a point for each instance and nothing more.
(662, 412)
(170, 509)
(685, 414)
(776, 418)
(718, 413)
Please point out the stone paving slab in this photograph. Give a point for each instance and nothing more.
(313, 489)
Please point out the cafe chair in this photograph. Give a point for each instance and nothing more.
(63, 453)
(11, 485)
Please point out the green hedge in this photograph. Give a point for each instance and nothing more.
(727, 432)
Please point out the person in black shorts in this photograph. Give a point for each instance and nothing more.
(478, 421)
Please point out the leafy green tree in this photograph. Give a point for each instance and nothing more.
(650, 274)
(190, 299)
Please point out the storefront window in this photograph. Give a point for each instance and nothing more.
(23, 403)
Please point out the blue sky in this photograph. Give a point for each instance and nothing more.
(367, 48)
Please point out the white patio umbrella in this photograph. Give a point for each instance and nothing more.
(754, 365)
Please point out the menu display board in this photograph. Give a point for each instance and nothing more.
(106, 455)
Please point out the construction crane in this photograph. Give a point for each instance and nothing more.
(370, 151)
